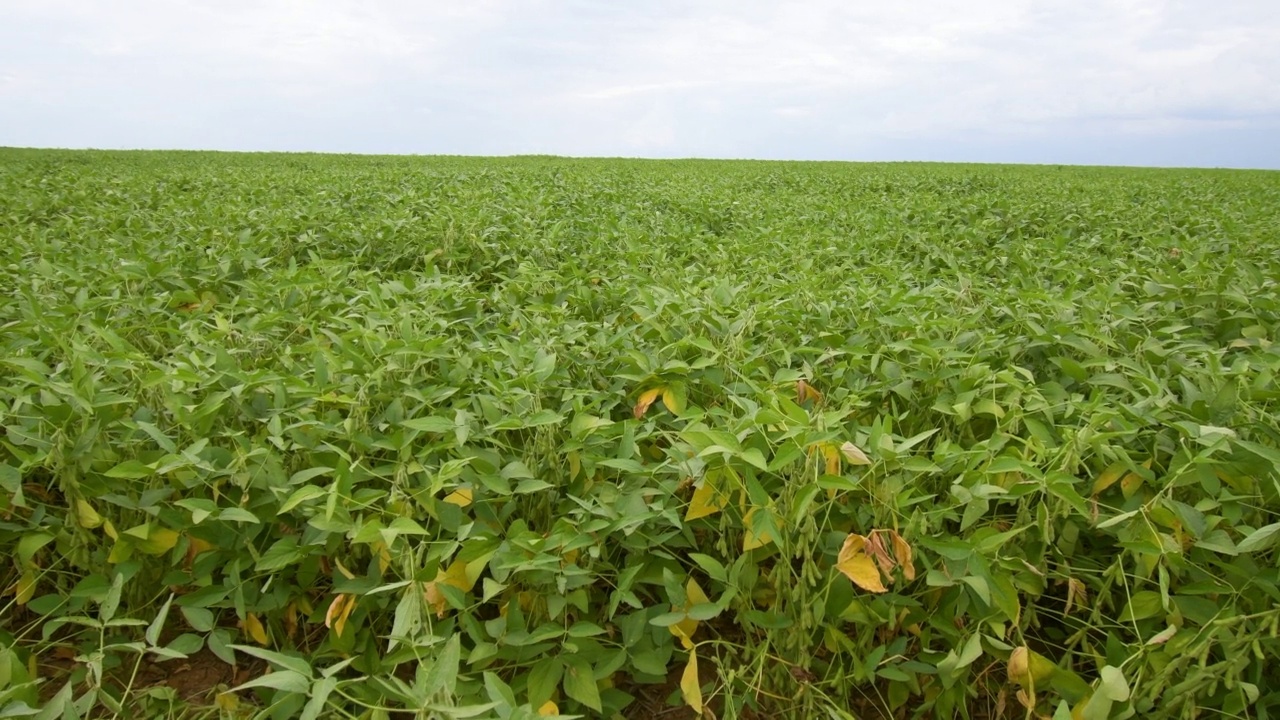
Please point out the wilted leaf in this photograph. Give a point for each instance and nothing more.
(806, 392)
(646, 399)
(1163, 636)
(902, 551)
(339, 610)
(856, 565)
(1077, 594)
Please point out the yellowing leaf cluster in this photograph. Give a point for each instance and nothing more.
(865, 559)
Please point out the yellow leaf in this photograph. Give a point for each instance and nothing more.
(159, 541)
(688, 626)
(343, 569)
(646, 399)
(253, 626)
(902, 551)
(1130, 484)
(26, 587)
(339, 610)
(704, 501)
(227, 702)
(460, 497)
(856, 565)
(854, 455)
(832, 455)
(86, 515)
(1029, 668)
(1108, 477)
(685, 630)
(695, 594)
(672, 401)
(110, 530)
(435, 599)
(751, 541)
(548, 709)
(291, 619)
(690, 687)
(384, 555)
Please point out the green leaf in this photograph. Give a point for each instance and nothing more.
(130, 470)
(283, 553)
(157, 625)
(235, 514)
(431, 424)
(580, 683)
(1113, 685)
(544, 677)
(304, 475)
(107, 609)
(1142, 605)
(1261, 539)
(320, 692)
(290, 663)
(199, 619)
(299, 496)
(285, 680)
(443, 673)
(30, 543)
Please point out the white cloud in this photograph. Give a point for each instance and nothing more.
(816, 78)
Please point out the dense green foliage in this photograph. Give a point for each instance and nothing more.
(427, 434)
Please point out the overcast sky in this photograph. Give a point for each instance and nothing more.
(1139, 82)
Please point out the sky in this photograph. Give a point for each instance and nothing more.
(1113, 82)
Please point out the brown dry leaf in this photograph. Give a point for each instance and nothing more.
(806, 392)
(876, 549)
(1077, 594)
(435, 599)
(858, 566)
(646, 399)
